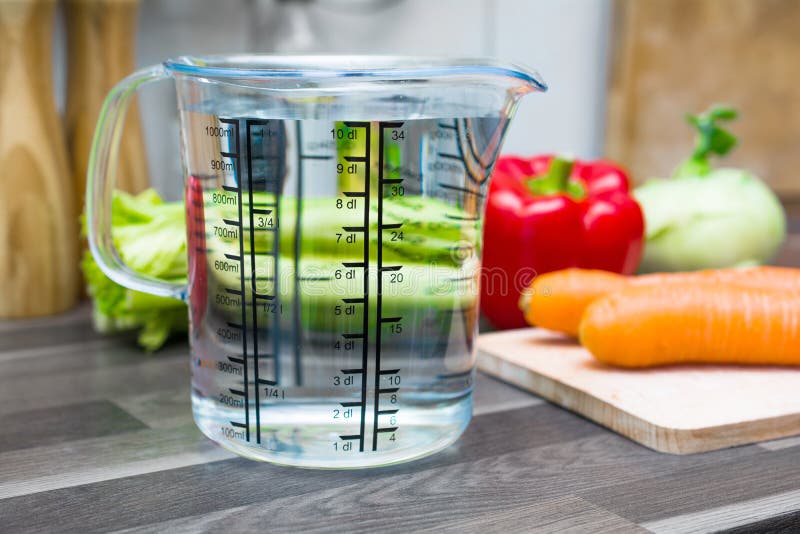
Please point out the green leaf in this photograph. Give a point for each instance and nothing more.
(711, 138)
(150, 235)
(722, 112)
(721, 141)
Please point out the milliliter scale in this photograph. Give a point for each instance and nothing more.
(334, 214)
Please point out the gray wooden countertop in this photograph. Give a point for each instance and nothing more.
(96, 436)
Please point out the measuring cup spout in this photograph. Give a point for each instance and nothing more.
(480, 140)
(526, 80)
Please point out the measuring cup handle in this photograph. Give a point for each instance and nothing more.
(100, 180)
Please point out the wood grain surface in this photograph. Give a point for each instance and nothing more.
(38, 219)
(679, 409)
(102, 49)
(672, 57)
(98, 437)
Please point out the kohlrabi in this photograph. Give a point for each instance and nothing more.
(703, 218)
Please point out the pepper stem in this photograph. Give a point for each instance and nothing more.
(711, 139)
(557, 180)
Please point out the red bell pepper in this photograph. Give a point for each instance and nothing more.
(547, 213)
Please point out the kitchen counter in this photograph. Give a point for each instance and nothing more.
(97, 436)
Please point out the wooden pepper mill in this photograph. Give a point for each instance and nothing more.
(38, 218)
(101, 51)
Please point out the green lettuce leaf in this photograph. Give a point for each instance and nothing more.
(150, 235)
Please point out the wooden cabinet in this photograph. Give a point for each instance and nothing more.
(671, 57)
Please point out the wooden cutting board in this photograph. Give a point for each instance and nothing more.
(679, 410)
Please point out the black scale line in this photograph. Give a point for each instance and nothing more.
(383, 126)
(365, 315)
(458, 126)
(253, 278)
(296, 338)
(461, 190)
(353, 336)
(276, 291)
(364, 334)
(242, 327)
(253, 287)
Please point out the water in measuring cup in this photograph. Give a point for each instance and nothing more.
(334, 282)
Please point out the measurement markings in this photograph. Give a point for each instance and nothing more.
(236, 154)
(298, 239)
(353, 336)
(364, 228)
(461, 217)
(365, 315)
(377, 412)
(460, 189)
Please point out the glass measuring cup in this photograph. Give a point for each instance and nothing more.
(334, 211)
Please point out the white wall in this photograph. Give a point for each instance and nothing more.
(566, 40)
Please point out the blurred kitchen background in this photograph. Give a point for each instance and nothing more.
(622, 74)
(567, 41)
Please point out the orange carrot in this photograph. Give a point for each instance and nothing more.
(693, 322)
(557, 300)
